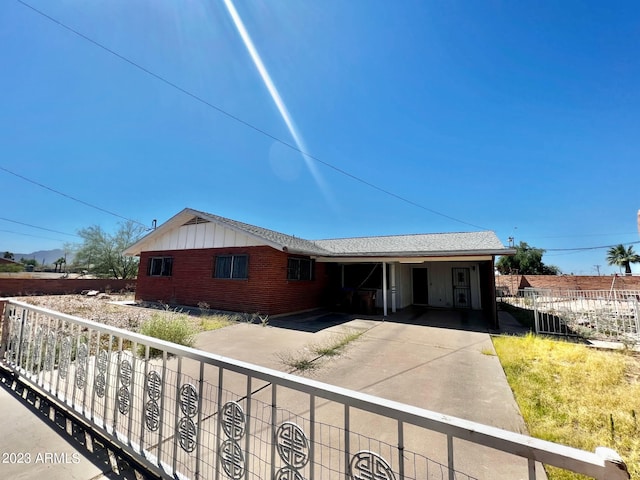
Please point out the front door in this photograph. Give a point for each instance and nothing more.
(420, 286)
(461, 287)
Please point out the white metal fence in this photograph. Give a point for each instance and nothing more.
(606, 314)
(192, 414)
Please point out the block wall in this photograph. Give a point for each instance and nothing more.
(15, 287)
(512, 283)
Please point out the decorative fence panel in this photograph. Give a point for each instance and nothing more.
(606, 314)
(184, 413)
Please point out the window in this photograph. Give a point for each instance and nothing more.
(300, 269)
(231, 266)
(160, 266)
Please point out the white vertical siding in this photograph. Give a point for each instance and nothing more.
(403, 278)
(440, 286)
(441, 283)
(199, 238)
(202, 235)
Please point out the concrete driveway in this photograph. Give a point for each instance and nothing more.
(439, 360)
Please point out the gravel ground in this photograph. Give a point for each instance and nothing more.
(98, 308)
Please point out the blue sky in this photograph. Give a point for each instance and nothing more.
(518, 117)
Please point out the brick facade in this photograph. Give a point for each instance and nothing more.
(266, 290)
(512, 283)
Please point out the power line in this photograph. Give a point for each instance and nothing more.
(68, 196)
(243, 122)
(582, 249)
(585, 248)
(581, 235)
(29, 235)
(39, 228)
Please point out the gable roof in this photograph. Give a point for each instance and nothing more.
(277, 240)
(435, 244)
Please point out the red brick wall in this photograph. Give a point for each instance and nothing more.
(266, 290)
(14, 287)
(568, 282)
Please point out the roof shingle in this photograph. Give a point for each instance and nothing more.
(413, 245)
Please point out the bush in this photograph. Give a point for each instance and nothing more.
(175, 328)
(216, 321)
(11, 268)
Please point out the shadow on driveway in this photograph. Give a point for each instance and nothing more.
(466, 320)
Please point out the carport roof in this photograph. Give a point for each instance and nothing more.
(430, 244)
(426, 244)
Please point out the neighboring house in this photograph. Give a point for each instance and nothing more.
(197, 257)
(8, 261)
(8, 265)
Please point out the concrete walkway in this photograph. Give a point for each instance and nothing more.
(439, 360)
(40, 441)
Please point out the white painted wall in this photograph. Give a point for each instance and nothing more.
(440, 283)
(403, 277)
(202, 235)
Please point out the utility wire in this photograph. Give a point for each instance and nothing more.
(69, 196)
(39, 228)
(29, 235)
(244, 122)
(581, 249)
(582, 235)
(586, 248)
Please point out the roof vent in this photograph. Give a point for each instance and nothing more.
(196, 221)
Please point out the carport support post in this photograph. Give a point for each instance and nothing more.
(393, 288)
(384, 288)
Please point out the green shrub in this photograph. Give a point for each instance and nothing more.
(216, 321)
(11, 268)
(175, 328)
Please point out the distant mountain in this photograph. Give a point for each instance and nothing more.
(43, 256)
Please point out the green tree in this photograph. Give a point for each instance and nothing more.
(29, 261)
(622, 257)
(101, 252)
(526, 261)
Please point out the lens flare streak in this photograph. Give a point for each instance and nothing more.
(275, 96)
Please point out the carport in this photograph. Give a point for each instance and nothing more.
(390, 283)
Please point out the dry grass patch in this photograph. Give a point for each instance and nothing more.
(214, 322)
(335, 345)
(575, 395)
(308, 358)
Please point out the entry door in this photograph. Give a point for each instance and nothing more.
(461, 287)
(420, 286)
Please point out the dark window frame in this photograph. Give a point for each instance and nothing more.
(233, 271)
(300, 269)
(160, 266)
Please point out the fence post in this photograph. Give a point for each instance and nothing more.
(4, 328)
(614, 466)
(535, 312)
(636, 314)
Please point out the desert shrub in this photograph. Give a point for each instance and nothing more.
(215, 321)
(175, 328)
(10, 268)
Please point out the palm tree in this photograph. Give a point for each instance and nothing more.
(622, 257)
(59, 262)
